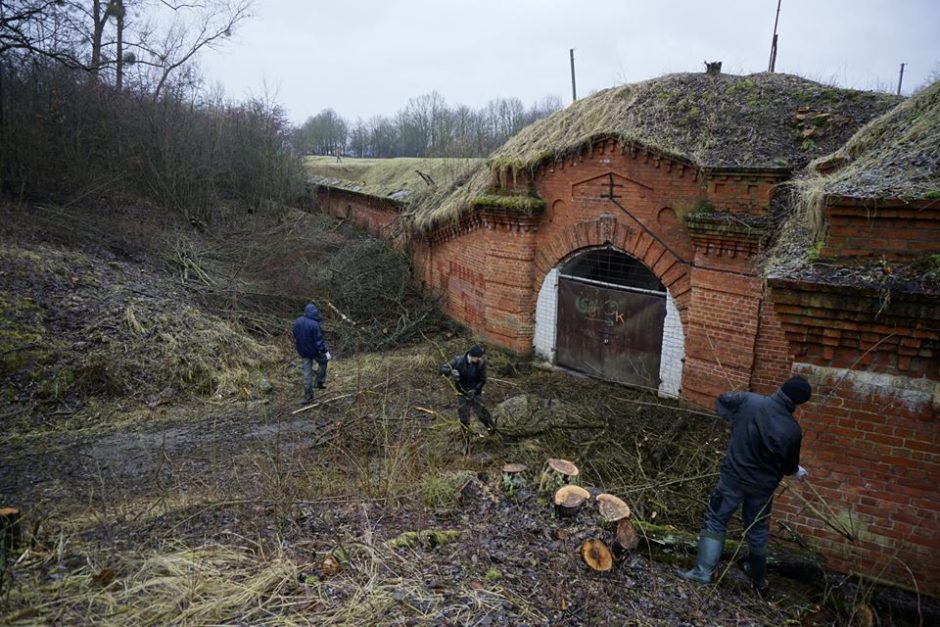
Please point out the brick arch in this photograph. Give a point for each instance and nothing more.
(606, 230)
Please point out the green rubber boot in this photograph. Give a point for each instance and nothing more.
(710, 545)
(756, 569)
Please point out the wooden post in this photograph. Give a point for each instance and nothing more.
(901, 78)
(10, 531)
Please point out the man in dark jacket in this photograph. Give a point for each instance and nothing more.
(468, 372)
(311, 346)
(764, 446)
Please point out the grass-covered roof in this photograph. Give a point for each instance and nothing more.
(718, 121)
(399, 179)
(896, 155)
(760, 121)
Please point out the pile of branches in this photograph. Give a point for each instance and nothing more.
(265, 269)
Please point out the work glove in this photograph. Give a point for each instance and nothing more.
(801, 473)
(328, 356)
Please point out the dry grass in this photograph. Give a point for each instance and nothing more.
(401, 178)
(719, 121)
(894, 156)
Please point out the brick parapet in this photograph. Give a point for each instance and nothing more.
(856, 328)
(888, 229)
(375, 214)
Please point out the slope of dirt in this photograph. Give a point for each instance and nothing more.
(207, 506)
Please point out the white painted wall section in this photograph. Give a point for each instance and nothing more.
(546, 318)
(673, 355)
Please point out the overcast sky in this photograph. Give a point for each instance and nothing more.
(367, 57)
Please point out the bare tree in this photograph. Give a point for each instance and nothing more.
(37, 27)
(192, 27)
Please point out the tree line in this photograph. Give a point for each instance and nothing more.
(426, 127)
(100, 99)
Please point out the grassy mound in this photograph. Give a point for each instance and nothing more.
(759, 121)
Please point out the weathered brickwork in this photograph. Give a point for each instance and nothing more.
(871, 428)
(871, 442)
(376, 215)
(878, 230)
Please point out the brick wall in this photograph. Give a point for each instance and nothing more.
(871, 444)
(376, 215)
(872, 447)
(872, 441)
(892, 231)
(772, 357)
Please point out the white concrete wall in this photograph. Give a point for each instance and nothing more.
(673, 355)
(546, 318)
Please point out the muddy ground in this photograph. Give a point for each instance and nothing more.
(152, 498)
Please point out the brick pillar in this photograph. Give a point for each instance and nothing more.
(721, 333)
(509, 318)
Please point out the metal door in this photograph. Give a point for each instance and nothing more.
(609, 333)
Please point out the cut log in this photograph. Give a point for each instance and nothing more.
(612, 508)
(563, 466)
(557, 472)
(625, 536)
(330, 566)
(596, 555)
(569, 499)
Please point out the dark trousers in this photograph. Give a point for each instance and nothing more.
(308, 373)
(755, 512)
(466, 403)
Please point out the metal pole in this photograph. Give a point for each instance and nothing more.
(901, 78)
(773, 43)
(574, 91)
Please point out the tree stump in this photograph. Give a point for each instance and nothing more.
(596, 555)
(569, 499)
(557, 472)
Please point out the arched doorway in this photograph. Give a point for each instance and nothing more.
(610, 318)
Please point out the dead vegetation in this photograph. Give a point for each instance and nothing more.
(708, 120)
(361, 510)
(895, 157)
(400, 178)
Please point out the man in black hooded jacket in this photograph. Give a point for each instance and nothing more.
(764, 446)
(468, 372)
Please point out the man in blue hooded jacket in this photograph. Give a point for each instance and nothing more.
(764, 447)
(311, 347)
